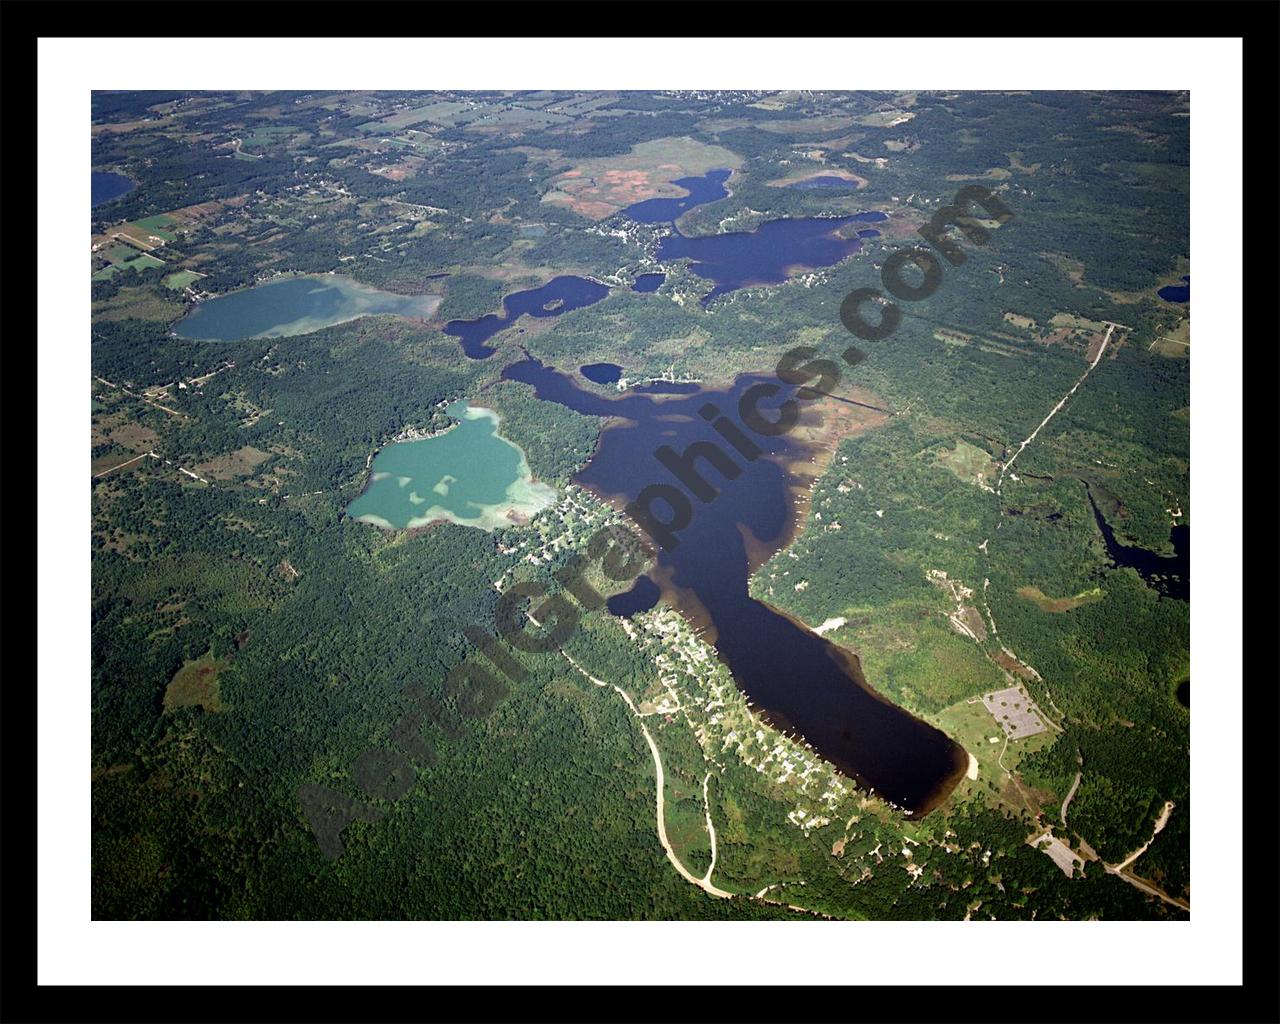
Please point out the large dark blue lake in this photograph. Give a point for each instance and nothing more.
(804, 683)
(702, 189)
(557, 296)
(108, 185)
(767, 255)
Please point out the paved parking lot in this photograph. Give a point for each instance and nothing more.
(1015, 711)
(1059, 852)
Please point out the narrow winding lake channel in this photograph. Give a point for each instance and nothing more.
(1168, 574)
(557, 296)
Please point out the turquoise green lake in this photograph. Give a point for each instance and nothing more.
(470, 475)
(295, 305)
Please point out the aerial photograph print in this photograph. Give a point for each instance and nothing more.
(617, 505)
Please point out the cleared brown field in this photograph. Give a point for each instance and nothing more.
(241, 462)
(100, 467)
(134, 436)
(406, 168)
(950, 337)
(967, 462)
(991, 174)
(1073, 330)
(600, 187)
(1016, 164)
(826, 123)
(821, 172)
(1074, 269)
(200, 212)
(1097, 341)
(885, 118)
(1059, 604)
(122, 127)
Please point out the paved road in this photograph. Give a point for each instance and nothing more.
(1074, 786)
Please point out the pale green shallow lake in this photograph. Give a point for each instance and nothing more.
(295, 305)
(470, 475)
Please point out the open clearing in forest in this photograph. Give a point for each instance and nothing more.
(1174, 343)
(241, 462)
(821, 172)
(969, 463)
(196, 685)
(1060, 604)
(1015, 712)
(182, 279)
(602, 186)
(885, 118)
(446, 113)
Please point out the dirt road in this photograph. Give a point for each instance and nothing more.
(1141, 883)
(1054, 411)
(1148, 888)
(121, 465)
(1160, 824)
(704, 883)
